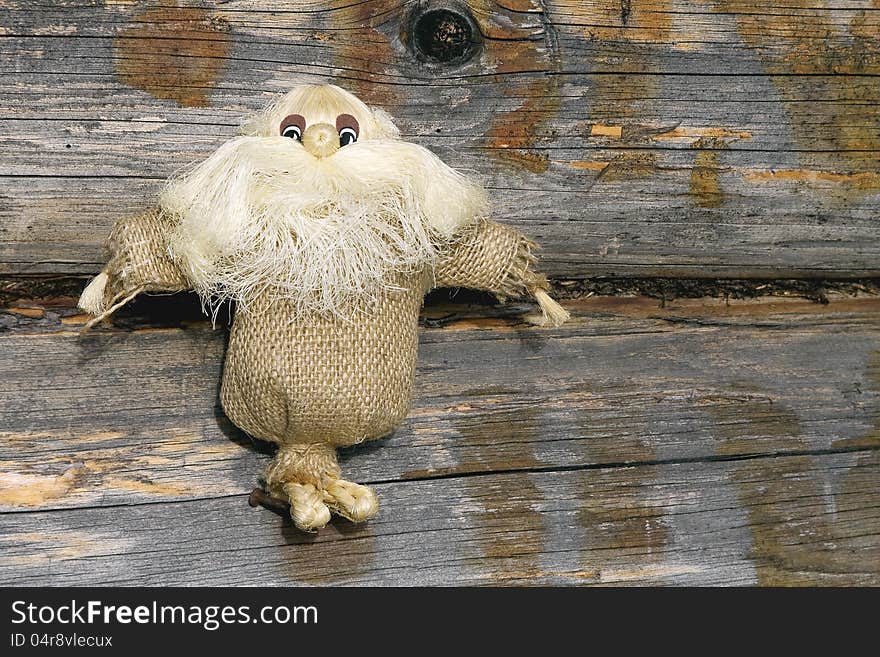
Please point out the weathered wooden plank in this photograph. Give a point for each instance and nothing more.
(675, 38)
(786, 520)
(130, 415)
(727, 139)
(48, 225)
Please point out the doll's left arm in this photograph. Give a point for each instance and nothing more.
(493, 257)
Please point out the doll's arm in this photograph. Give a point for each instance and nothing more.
(493, 257)
(139, 262)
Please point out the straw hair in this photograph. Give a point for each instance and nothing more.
(263, 215)
(320, 103)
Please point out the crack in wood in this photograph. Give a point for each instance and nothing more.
(265, 500)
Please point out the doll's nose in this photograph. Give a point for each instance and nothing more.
(321, 139)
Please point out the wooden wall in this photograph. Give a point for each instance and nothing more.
(698, 441)
(637, 137)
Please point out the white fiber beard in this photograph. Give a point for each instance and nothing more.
(263, 216)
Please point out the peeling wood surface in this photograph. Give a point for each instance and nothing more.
(660, 138)
(696, 443)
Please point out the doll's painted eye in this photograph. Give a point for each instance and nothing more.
(292, 131)
(293, 126)
(347, 136)
(348, 129)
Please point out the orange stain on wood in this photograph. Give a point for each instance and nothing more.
(519, 6)
(686, 132)
(173, 53)
(511, 49)
(24, 489)
(157, 329)
(368, 50)
(590, 165)
(36, 313)
(800, 40)
(864, 180)
(511, 27)
(705, 187)
(77, 320)
(512, 135)
(613, 20)
(647, 32)
(599, 130)
(630, 164)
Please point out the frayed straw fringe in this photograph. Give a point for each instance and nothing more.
(552, 314)
(113, 308)
(520, 274)
(263, 216)
(92, 298)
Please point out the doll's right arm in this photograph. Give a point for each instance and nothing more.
(139, 262)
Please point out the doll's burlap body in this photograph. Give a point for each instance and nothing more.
(311, 383)
(323, 379)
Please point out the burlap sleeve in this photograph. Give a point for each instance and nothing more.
(139, 259)
(490, 256)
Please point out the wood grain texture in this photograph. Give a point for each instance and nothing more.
(721, 138)
(716, 523)
(699, 443)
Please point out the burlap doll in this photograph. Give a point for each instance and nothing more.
(326, 230)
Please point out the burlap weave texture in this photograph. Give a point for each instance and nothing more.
(294, 379)
(138, 257)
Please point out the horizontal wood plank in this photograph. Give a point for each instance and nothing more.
(701, 442)
(783, 521)
(644, 138)
(132, 415)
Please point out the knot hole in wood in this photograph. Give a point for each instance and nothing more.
(443, 33)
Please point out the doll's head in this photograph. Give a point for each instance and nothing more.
(314, 107)
(317, 201)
